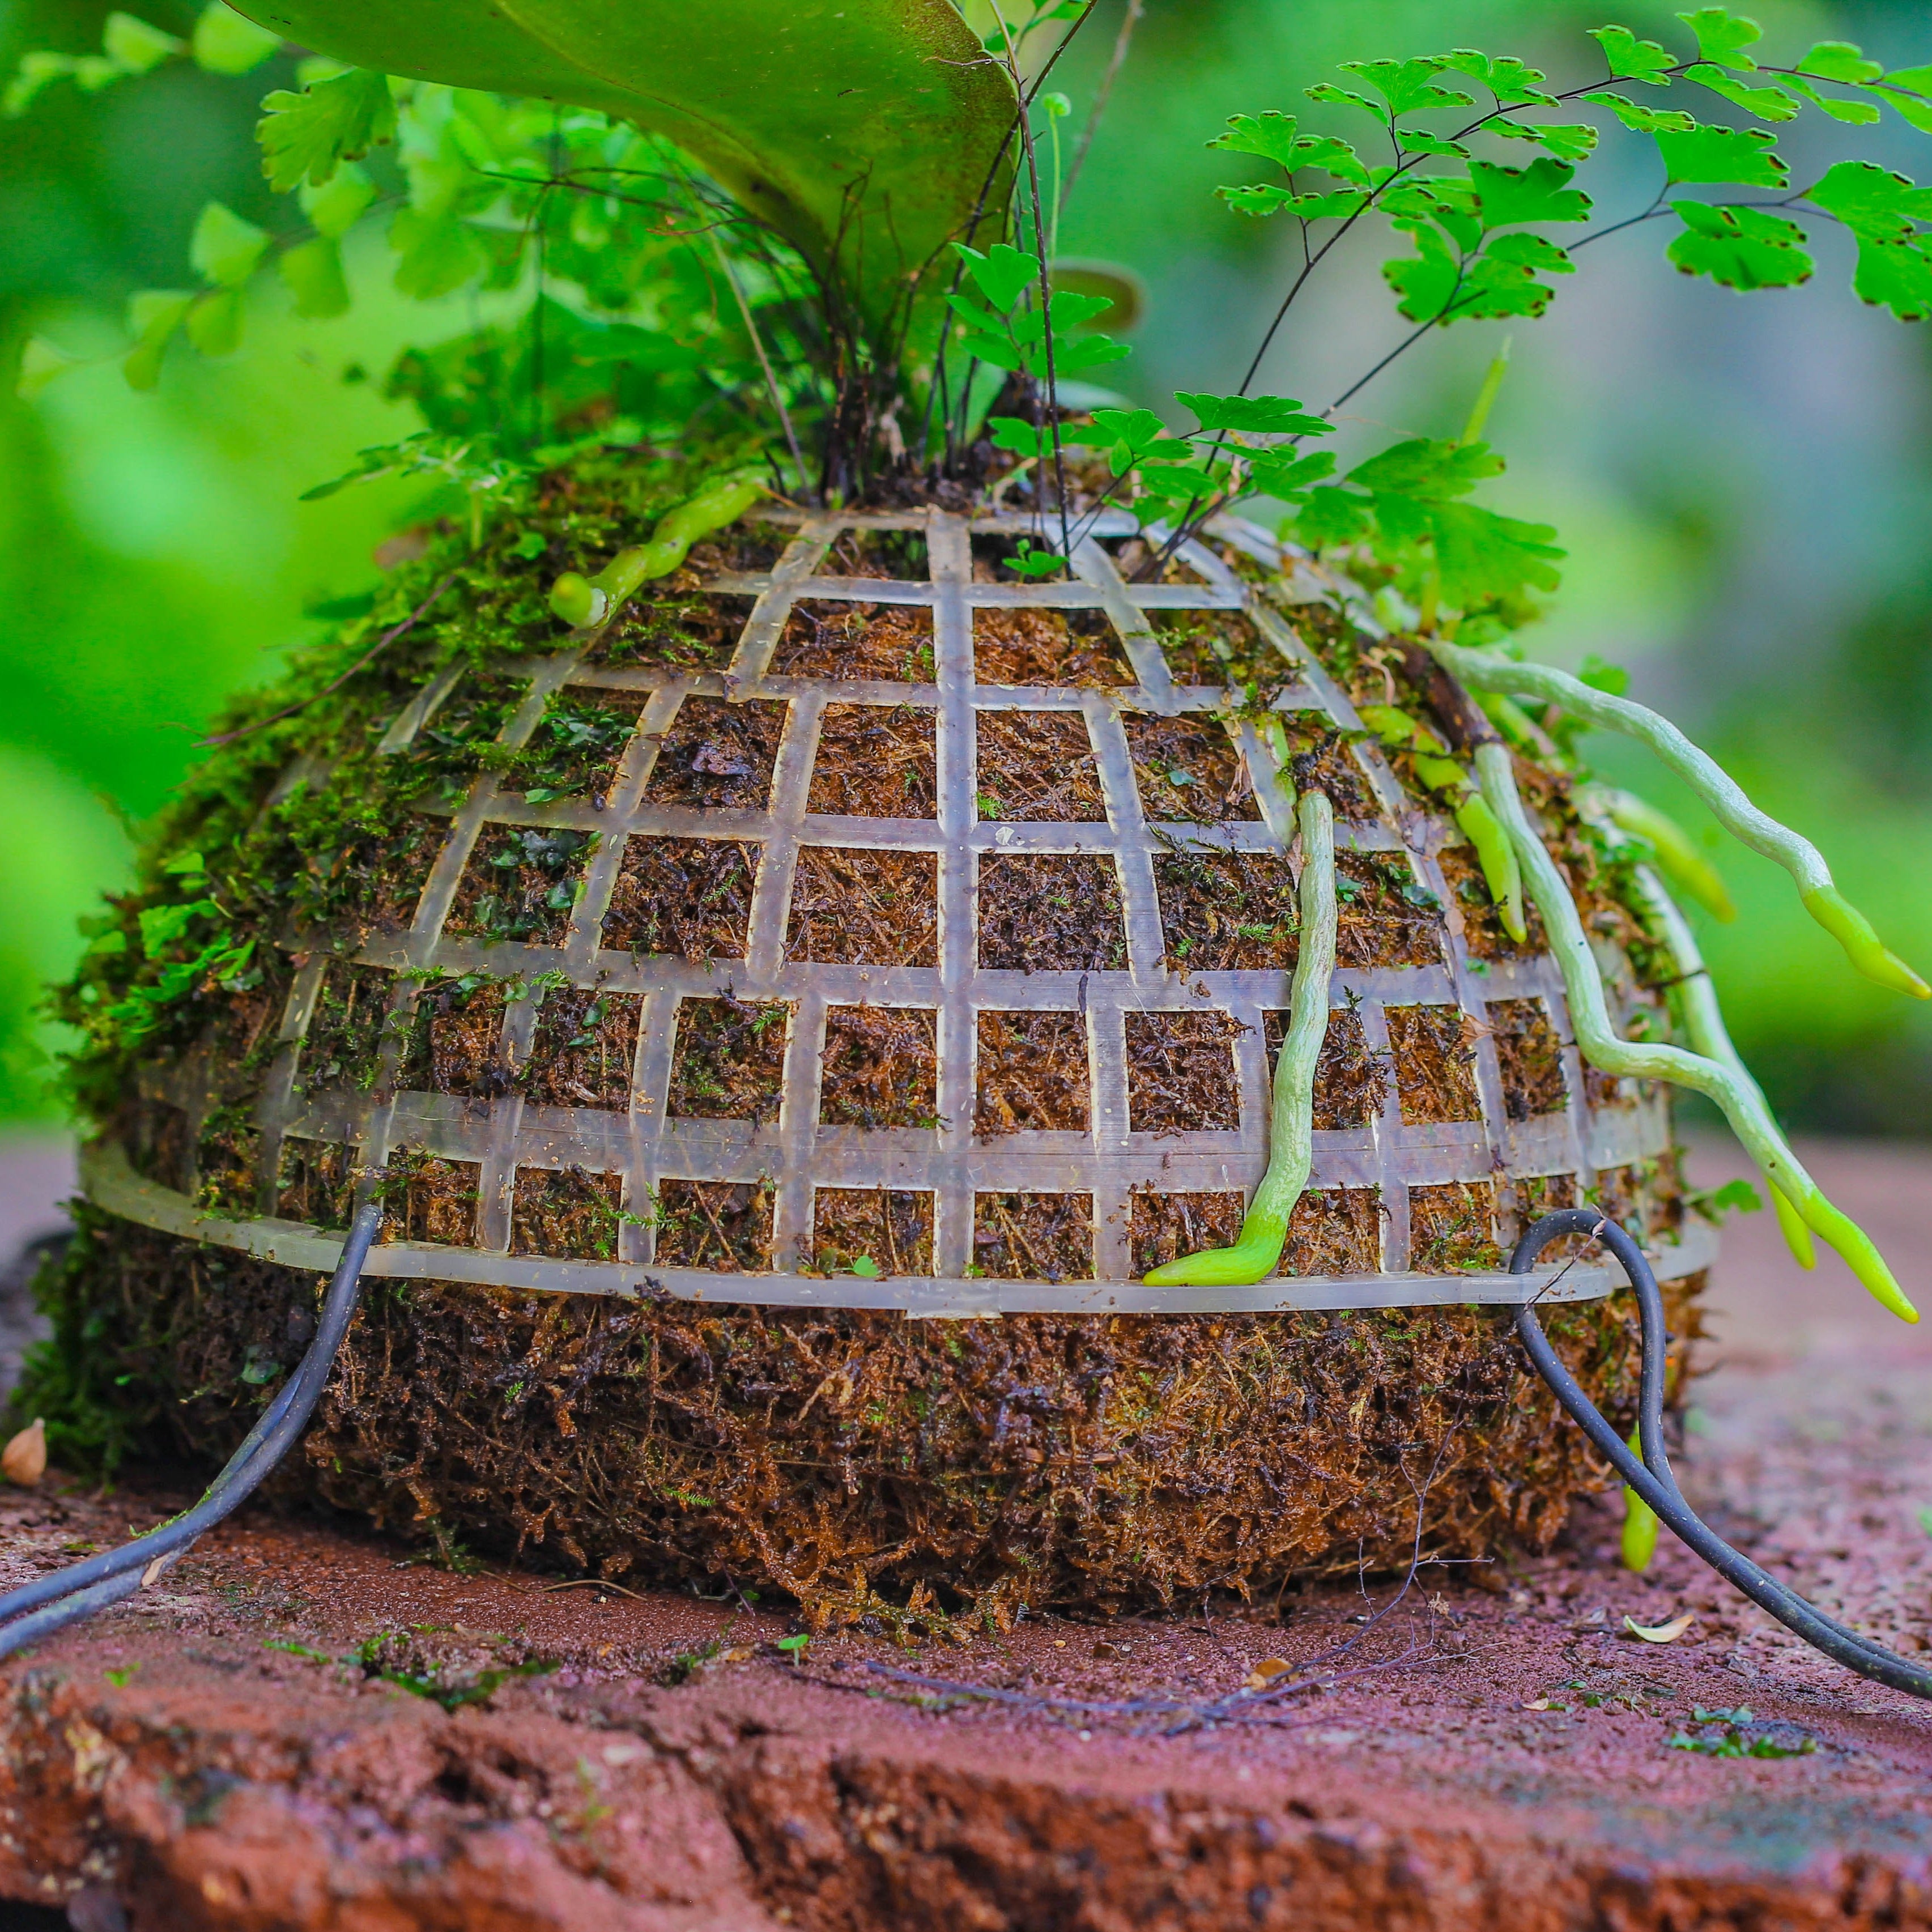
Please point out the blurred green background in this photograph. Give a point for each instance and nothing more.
(1744, 483)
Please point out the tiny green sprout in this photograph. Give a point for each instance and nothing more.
(865, 1268)
(1028, 562)
(1925, 1518)
(121, 1674)
(531, 545)
(794, 1646)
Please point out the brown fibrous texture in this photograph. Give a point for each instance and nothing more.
(848, 1458)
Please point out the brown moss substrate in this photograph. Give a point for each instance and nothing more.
(860, 1462)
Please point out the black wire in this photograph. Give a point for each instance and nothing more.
(66, 1596)
(1651, 1476)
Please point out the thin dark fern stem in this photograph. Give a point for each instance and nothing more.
(1044, 291)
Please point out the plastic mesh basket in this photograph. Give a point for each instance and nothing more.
(774, 1013)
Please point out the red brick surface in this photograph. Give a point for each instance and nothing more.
(175, 1766)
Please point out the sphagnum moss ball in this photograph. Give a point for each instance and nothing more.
(959, 948)
(870, 940)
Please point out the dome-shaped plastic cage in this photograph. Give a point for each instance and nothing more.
(854, 932)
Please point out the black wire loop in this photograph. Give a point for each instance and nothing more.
(65, 1597)
(1651, 1476)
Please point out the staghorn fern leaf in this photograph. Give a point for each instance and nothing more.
(867, 132)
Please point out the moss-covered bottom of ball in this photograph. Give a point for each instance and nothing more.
(864, 1464)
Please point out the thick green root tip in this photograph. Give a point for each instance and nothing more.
(1853, 931)
(1797, 1236)
(1677, 856)
(1241, 1266)
(1860, 1254)
(575, 600)
(580, 601)
(1500, 872)
(1639, 1536)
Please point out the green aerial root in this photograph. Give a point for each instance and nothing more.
(1704, 1021)
(1678, 857)
(1477, 823)
(1743, 1105)
(1292, 1113)
(1823, 900)
(581, 602)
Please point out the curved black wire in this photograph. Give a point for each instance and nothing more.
(65, 1597)
(1651, 1476)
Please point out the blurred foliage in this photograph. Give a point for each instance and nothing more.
(1743, 499)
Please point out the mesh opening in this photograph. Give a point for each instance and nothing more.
(875, 762)
(1134, 560)
(727, 1062)
(1335, 1230)
(1050, 912)
(583, 1049)
(567, 1213)
(1020, 647)
(576, 747)
(881, 1068)
(1529, 1057)
(1187, 769)
(1226, 912)
(1321, 758)
(723, 1225)
(888, 642)
(1034, 1237)
(1351, 1081)
(718, 756)
(429, 1199)
(1038, 766)
(1453, 1226)
(1386, 917)
(689, 634)
(1483, 931)
(1434, 1054)
(900, 554)
(1180, 1073)
(691, 897)
(871, 1230)
(454, 1040)
(317, 1183)
(346, 1028)
(1162, 1228)
(1031, 1074)
(855, 906)
(520, 884)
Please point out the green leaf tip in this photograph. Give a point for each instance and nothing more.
(1853, 931)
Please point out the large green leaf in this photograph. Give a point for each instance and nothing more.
(866, 131)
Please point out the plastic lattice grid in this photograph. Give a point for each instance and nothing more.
(631, 1152)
